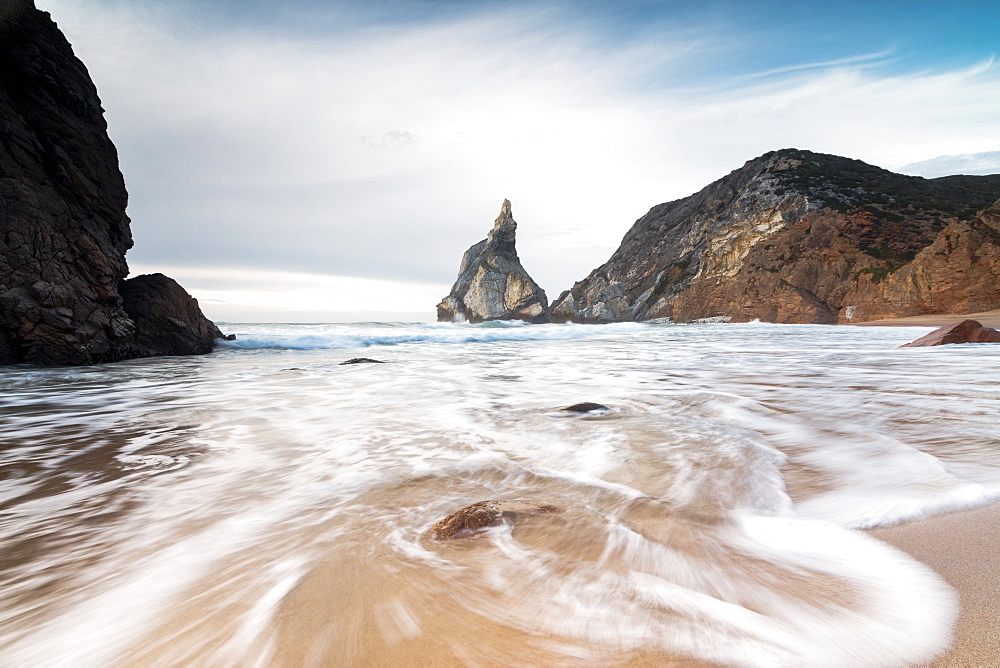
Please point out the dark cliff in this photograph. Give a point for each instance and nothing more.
(492, 284)
(801, 237)
(63, 228)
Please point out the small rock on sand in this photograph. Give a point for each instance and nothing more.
(485, 514)
(361, 360)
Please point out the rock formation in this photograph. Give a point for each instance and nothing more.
(492, 284)
(967, 331)
(801, 237)
(63, 228)
(485, 514)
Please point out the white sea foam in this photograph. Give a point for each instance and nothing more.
(344, 336)
(709, 513)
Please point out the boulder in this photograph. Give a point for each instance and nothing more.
(167, 319)
(485, 514)
(967, 331)
(492, 284)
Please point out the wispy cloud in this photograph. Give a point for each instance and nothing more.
(987, 162)
(862, 59)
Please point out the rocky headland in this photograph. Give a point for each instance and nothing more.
(64, 297)
(492, 284)
(800, 237)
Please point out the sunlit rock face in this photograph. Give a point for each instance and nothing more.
(63, 228)
(492, 284)
(801, 237)
(958, 273)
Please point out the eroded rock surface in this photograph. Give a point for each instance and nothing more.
(485, 514)
(967, 331)
(801, 237)
(492, 284)
(63, 228)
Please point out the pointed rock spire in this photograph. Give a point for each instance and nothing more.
(492, 284)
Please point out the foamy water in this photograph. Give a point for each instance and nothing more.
(265, 505)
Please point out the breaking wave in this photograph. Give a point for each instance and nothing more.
(333, 337)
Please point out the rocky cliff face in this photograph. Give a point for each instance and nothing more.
(958, 273)
(801, 237)
(63, 228)
(492, 284)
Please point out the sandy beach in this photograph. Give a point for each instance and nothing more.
(961, 547)
(986, 318)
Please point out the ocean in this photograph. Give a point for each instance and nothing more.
(266, 505)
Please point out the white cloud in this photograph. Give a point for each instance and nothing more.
(987, 162)
(242, 295)
(384, 152)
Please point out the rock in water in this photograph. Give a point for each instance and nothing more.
(801, 237)
(484, 514)
(492, 284)
(586, 407)
(361, 360)
(63, 228)
(967, 331)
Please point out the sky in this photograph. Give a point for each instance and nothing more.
(322, 161)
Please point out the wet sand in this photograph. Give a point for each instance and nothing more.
(986, 318)
(962, 548)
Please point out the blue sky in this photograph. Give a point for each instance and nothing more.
(308, 160)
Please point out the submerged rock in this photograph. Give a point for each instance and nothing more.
(361, 360)
(63, 228)
(586, 407)
(967, 331)
(492, 284)
(485, 514)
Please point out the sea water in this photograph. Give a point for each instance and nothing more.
(266, 505)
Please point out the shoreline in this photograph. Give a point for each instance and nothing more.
(986, 318)
(960, 547)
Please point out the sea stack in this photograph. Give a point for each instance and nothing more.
(63, 229)
(800, 237)
(492, 284)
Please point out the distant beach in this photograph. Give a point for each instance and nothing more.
(986, 318)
